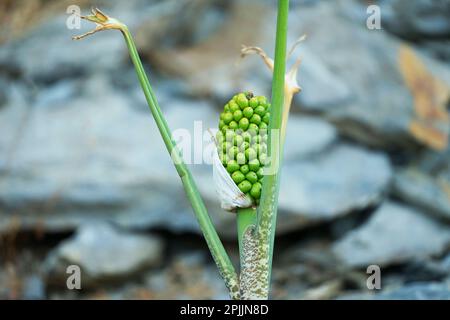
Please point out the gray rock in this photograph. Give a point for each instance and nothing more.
(446, 263)
(417, 19)
(415, 291)
(104, 253)
(394, 234)
(343, 179)
(33, 288)
(47, 53)
(418, 291)
(307, 136)
(423, 191)
(314, 76)
(438, 49)
(33, 60)
(371, 101)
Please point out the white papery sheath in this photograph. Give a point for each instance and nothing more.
(229, 194)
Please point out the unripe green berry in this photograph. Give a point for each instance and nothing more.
(240, 158)
(221, 124)
(243, 123)
(229, 135)
(253, 102)
(253, 165)
(226, 145)
(262, 101)
(225, 128)
(247, 137)
(266, 118)
(245, 186)
(227, 117)
(260, 173)
(219, 137)
(238, 140)
(258, 148)
(263, 126)
(256, 139)
(265, 137)
(260, 110)
(223, 158)
(232, 152)
(226, 108)
(237, 177)
(250, 154)
(263, 159)
(233, 107)
(232, 166)
(248, 112)
(256, 119)
(242, 100)
(233, 125)
(245, 145)
(252, 177)
(255, 191)
(245, 169)
(237, 115)
(253, 129)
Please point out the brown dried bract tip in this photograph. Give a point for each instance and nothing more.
(102, 21)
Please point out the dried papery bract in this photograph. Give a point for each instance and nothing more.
(291, 86)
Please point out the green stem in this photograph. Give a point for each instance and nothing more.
(267, 210)
(218, 252)
(246, 217)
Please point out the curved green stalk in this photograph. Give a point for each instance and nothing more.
(216, 247)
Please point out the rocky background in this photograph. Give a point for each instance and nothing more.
(85, 178)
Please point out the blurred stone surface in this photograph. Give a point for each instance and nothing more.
(415, 291)
(379, 111)
(104, 253)
(342, 179)
(419, 291)
(210, 67)
(34, 288)
(394, 234)
(32, 59)
(417, 19)
(424, 191)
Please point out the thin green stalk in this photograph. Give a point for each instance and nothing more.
(267, 210)
(216, 247)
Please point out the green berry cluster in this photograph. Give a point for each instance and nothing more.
(242, 141)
